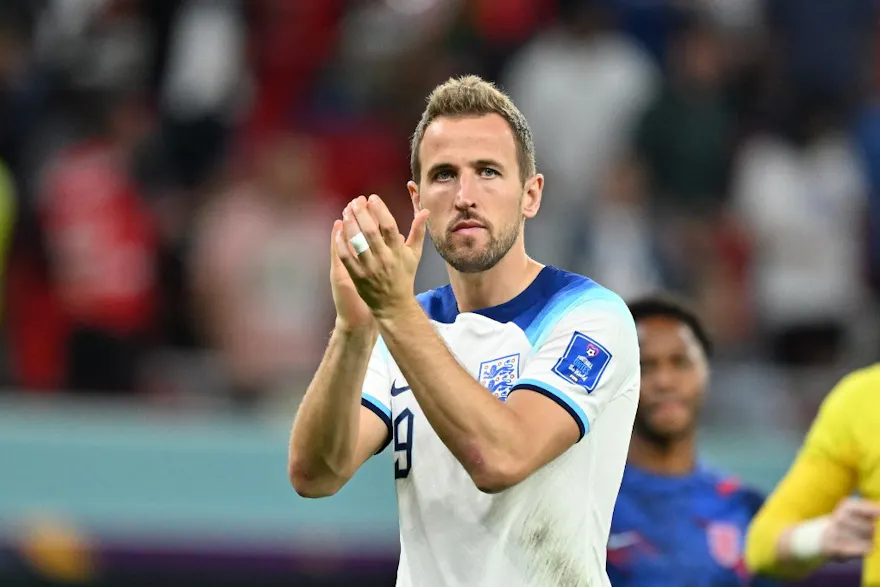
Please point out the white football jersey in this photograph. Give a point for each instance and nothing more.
(564, 337)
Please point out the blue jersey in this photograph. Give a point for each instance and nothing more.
(683, 531)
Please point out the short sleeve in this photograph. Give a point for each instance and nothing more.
(588, 356)
(376, 391)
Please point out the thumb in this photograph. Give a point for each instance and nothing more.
(416, 238)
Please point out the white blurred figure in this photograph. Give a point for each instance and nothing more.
(99, 44)
(620, 251)
(206, 69)
(582, 86)
(803, 200)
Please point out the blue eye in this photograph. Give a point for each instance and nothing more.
(443, 175)
(489, 172)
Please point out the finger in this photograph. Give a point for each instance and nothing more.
(368, 225)
(855, 548)
(352, 230)
(864, 508)
(857, 527)
(386, 221)
(347, 256)
(416, 238)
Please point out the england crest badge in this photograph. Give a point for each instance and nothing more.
(724, 543)
(498, 375)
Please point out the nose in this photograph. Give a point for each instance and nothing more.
(467, 185)
(663, 380)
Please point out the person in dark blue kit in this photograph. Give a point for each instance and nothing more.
(675, 523)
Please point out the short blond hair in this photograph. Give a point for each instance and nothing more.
(471, 95)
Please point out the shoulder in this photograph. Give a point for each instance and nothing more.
(730, 489)
(579, 302)
(857, 387)
(848, 415)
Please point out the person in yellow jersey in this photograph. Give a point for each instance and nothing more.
(813, 516)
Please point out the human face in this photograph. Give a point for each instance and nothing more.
(470, 182)
(674, 378)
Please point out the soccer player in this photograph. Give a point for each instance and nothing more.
(676, 522)
(810, 517)
(507, 396)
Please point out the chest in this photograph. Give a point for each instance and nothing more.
(678, 540)
(493, 354)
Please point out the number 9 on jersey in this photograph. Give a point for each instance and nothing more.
(403, 437)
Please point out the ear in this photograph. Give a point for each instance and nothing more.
(413, 188)
(531, 201)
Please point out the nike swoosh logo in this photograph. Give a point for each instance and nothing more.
(395, 391)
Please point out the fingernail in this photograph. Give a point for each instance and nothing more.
(373, 198)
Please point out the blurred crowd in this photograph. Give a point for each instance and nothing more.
(169, 171)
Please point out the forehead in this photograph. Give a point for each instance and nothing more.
(452, 140)
(663, 334)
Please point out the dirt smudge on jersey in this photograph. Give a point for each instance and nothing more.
(550, 556)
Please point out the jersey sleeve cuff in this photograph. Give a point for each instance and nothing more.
(384, 414)
(562, 400)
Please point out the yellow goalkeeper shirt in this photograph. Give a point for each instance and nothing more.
(841, 454)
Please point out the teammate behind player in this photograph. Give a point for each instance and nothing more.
(810, 517)
(508, 395)
(676, 522)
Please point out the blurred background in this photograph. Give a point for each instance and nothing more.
(170, 171)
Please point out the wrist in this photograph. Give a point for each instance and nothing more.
(364, 332)
(805, 541)
(402, 311)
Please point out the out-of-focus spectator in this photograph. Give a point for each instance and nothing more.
(686, 135)
(260, 269)
(102, 249)
(582, 85)
(289, 46)
(204, 87)
(390, 53)
(619, 234)
(95, 44)
(802, 198)
(685, 140)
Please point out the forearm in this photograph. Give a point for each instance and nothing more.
(479, 430)
(800, 545)
(779, 547)
(778, 542)
(325, 430)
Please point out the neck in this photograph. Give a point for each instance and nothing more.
(503, 282)
(677, 457)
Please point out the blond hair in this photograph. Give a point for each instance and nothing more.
(471, 95)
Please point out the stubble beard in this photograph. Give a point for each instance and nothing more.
(464, 258)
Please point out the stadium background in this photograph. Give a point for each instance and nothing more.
(169, 171)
